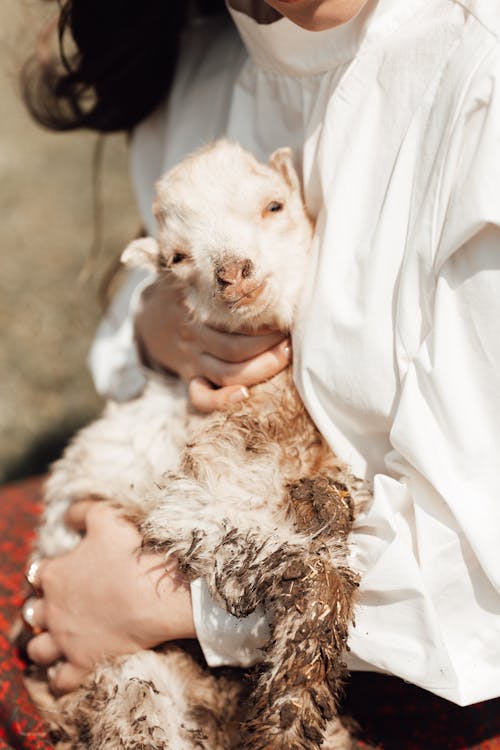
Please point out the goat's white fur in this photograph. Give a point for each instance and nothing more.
(214, 211)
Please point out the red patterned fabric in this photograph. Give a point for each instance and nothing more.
(393, 715)
(20, 725)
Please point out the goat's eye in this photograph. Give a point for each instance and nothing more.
(178, 257)
(274, 206)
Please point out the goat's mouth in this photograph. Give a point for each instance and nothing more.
(234, 299)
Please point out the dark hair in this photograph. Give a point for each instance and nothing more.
(124, 58)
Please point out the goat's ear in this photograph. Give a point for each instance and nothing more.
(142, 253)
(158, 211)
(282, 161)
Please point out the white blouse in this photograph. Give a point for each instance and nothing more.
(395, 122)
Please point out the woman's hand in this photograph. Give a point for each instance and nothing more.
(203, 356)
(105, 598)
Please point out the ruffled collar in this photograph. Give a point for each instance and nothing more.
(283, 47)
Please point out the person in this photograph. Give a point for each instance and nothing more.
(393, 112)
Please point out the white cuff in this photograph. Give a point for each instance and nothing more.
(113, 359)
(224, 639)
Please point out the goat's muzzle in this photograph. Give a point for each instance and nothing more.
(236, 284)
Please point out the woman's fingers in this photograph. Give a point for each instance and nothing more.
(65, 677)
(170, 338)
(42, 650)
(76, 515)
(250, 372)
(233, 378)
(205, 398)
(236, 347)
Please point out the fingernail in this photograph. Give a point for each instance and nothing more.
(287, 349)
(239, 395)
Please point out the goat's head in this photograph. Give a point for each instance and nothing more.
(235, 235)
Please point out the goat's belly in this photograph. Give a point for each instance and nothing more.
(118, 457)
(134, 442)
(156, 426)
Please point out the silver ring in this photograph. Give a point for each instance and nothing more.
(28, 616)
(53, 670)
(32, 575)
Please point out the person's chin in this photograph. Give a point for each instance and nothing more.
(316, 15)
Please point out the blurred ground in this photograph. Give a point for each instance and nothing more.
(47, 318)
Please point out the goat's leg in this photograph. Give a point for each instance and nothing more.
(321, 506)
(297, 692)
(310, 602)
(298, 689)
(149, 701)
(309, 638)
(306, 587)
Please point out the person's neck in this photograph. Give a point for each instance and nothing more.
(256, 9)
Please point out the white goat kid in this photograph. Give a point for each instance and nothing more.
(251, 499)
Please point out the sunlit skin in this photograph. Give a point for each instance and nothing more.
(318, 15)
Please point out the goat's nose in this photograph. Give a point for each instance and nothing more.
(232, 272)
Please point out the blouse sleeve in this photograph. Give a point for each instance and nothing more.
(451, 393)
(429, 607)
(430, 595)
(114, 359)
